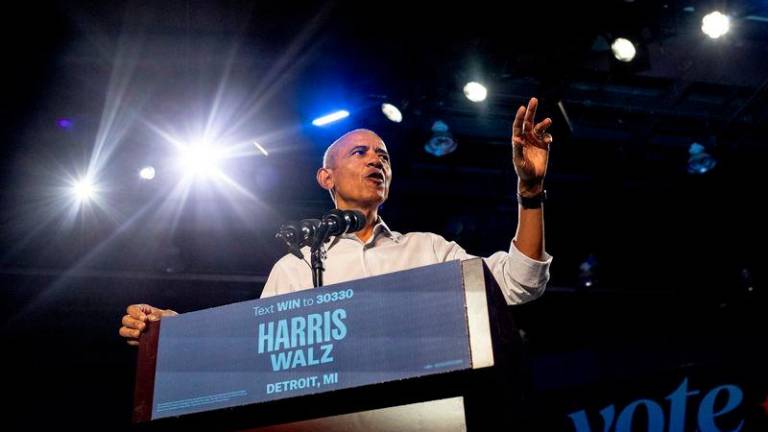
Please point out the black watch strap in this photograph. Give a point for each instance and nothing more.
(533, 202)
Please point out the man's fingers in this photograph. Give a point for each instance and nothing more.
(518, 144)
(136, 320)
(517, 125)
(542, 127)
(131, 322)
(158, 314)
(530, 114)
(139, 311)
(129, 333)
(144, 312)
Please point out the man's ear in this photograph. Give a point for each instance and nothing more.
(325, 178)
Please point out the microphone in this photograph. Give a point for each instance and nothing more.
(314, 232)
(298, 234)
(343, 221)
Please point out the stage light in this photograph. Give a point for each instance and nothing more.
(83, 190)
(330, 118)
(200, 159)
(623, 49)
(147, 173)
(588, 271)
(475, 92)
(700, 162)
(391, 112)
(442, 142)
(715, 24)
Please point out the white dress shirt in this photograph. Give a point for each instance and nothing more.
(520, 278)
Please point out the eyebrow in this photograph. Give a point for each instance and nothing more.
(364, 147)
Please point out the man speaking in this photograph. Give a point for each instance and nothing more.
(357, 172)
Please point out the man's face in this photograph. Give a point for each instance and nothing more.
(360, 170)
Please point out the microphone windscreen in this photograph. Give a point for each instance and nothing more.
(356, 220)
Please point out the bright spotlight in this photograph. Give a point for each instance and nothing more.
(200, 159)
(83, 189)
(475, 92)
(623, 49)
(147, 173)
(330, 118)
(715, 24)
(391, 112)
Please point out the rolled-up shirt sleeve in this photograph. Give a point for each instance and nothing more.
(520, 277)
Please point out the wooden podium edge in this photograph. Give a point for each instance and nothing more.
(143, 396)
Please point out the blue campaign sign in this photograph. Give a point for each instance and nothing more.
(390, 327)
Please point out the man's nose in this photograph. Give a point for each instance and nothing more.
(376, 162)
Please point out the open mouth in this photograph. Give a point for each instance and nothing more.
(376, 177)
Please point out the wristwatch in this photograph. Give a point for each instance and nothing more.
(532, 202)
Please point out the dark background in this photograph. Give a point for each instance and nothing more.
(676, 278)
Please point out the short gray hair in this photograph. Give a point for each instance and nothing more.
(327, 156)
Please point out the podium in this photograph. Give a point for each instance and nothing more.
(431, 348)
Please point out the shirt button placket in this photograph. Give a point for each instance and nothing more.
(363, 247)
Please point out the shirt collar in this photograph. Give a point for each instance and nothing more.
(380, 228)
